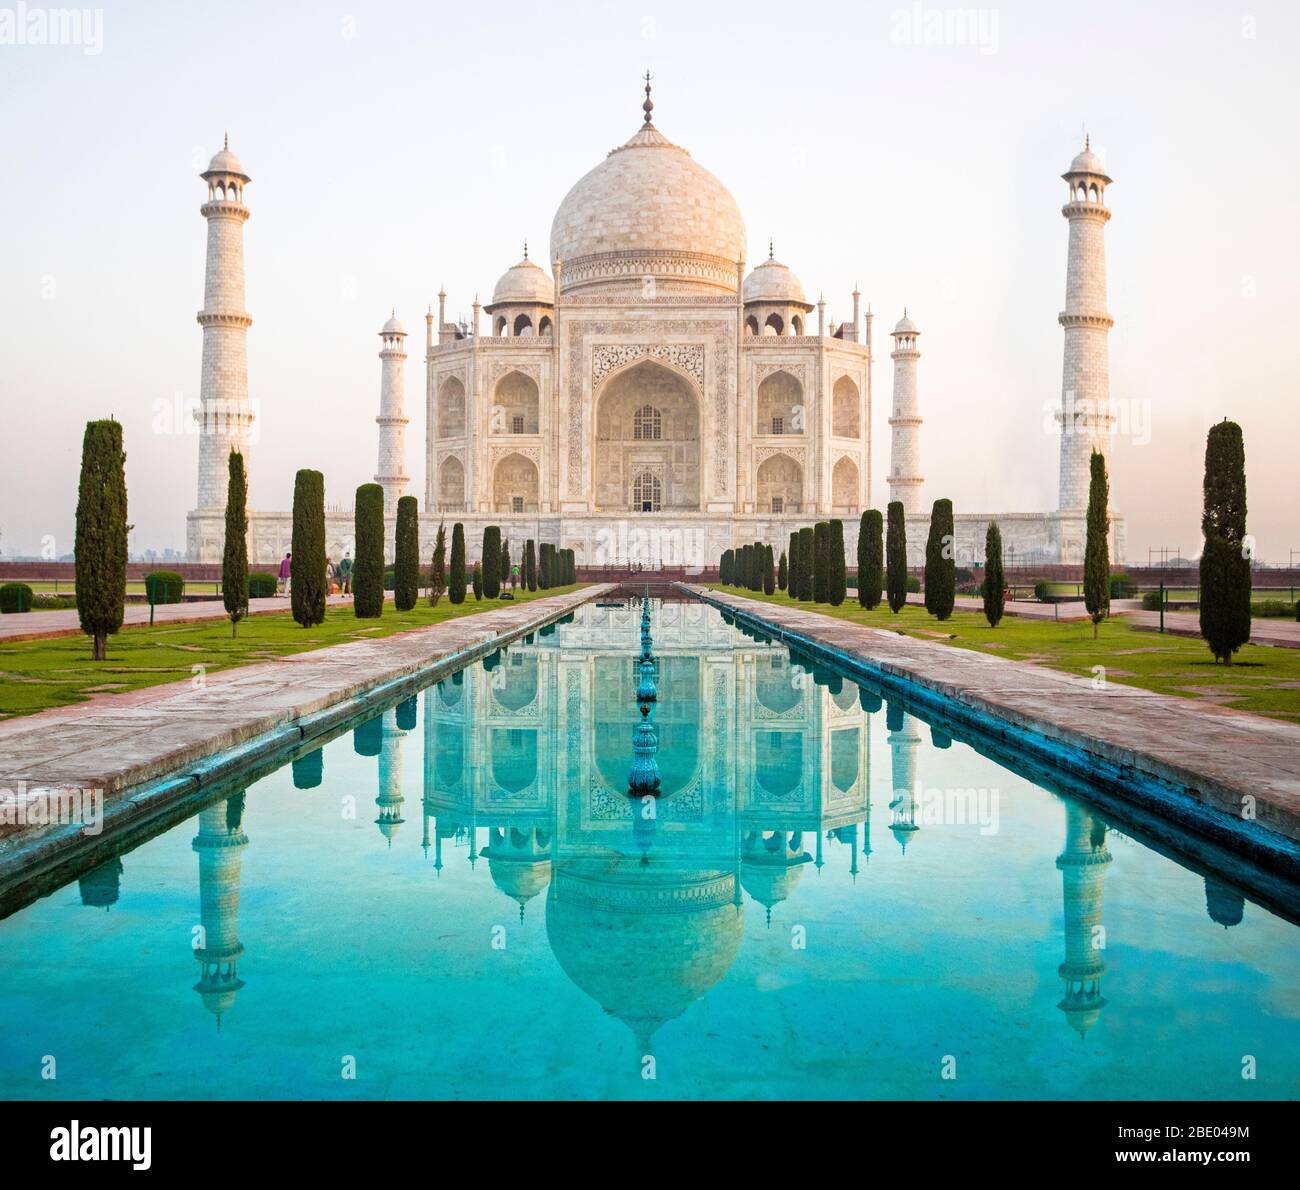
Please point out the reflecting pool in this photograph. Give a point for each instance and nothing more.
(830, 898)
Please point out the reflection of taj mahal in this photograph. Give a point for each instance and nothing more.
(650, 398)
(765, 760)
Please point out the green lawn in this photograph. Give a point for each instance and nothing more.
(1261, 679)
(38, 674)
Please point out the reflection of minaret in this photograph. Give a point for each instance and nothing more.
(220, 842)
(390, 797)
(904, 740)
(1083, 870)
(99, 887)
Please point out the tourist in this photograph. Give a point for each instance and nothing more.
(286, 570)
(345, 574)
(331, 576)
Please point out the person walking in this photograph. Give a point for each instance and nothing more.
(286, 569)
(345, 574)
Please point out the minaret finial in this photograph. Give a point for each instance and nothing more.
(525, 249)
(771, 253)
(225, 140)
(1087, 141)
(647, 106)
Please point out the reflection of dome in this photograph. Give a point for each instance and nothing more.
(644, 942)
(771, 867)
(649, 209)
(525, 282)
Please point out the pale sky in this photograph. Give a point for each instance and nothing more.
(397, 146)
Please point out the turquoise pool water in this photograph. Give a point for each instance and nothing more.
(832, 899)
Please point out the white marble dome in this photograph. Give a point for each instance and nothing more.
(525, 282)
(1087, 162)
(906, 326)
(393, 327)
(649, 209)
(773, 282)
(225, 162)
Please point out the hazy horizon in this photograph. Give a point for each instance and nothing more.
(395, 148)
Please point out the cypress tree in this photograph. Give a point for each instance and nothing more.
(769, 571)
(234, 555)
(492, 561)
(406, 566)
(822, 562)
(100, 549)
(995, 584)
(756, 576)
(724, 568)
(456, 579)
(530, 564)
(742, 567)
(1225, 559)
(506, 576)
(806, 542)
(838, 574)
(571, 567)
(307, 582)
(896, 556)
(871, 558)
(1096, 550)
(544, 568)
(438, 567)
(368, 569)
(792, 578)
(476, 581)
(783, 571)
(941, 562)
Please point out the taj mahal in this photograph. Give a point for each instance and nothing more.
(649, 399)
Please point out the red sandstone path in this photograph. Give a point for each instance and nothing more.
(34, 625)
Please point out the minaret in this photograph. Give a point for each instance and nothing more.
(1083, 884)
(1085, 415)
(392, 419)
(220, 844)
(905, 422)
(224, 416)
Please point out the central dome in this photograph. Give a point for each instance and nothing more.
(648, 210)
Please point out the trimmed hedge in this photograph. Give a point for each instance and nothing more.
(406, 568)
(896, 576)
(368, 568)
(307, 582)
(15, 597)
(262, 585)
(940, 565)
(456, 579)
(100, 543)
(166, 586)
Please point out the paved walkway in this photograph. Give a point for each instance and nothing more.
(115, 745)
(31, 625)
(1217, 754)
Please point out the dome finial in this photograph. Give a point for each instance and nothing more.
(525, 249)
(771, 252)
(647, 106)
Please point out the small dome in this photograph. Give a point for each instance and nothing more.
(906, 326)
(225, 162)
(393, 327)
(773, 282)
(525, 282)
(1087, 162)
